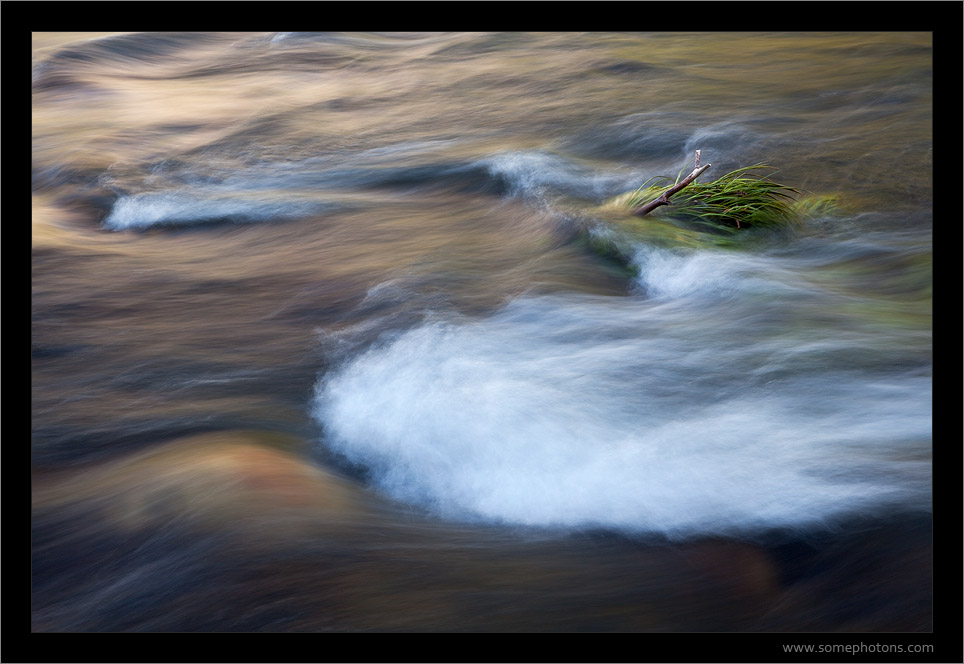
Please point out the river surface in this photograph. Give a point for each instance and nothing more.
(318, 343)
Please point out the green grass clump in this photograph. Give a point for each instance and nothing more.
(702, 215)
(741, 199)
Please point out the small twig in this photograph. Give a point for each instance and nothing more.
(664, 199)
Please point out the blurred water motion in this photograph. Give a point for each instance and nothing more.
(316, 344)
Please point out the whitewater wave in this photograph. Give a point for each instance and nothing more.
(537, 174)
(173, 208)
(186, 193)
(585, 412)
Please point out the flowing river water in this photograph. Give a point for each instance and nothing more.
(318, 343)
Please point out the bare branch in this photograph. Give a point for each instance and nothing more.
(664, 199)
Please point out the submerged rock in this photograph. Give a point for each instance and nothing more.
(234, 479)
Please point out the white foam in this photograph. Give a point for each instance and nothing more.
(581, 412)
(678, 273)
(534, 173)
(144, 210)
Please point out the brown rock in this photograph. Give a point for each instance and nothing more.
(233, 479)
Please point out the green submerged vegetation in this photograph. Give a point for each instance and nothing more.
(739, 199)
(720, 213)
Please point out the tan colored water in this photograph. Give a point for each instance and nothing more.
(316, 345)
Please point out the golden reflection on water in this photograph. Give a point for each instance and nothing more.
(152, 108)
